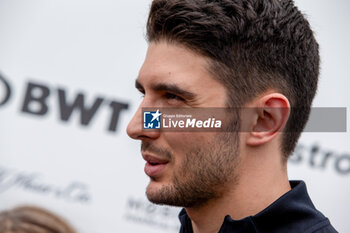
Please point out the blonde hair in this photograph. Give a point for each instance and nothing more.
(31, 219)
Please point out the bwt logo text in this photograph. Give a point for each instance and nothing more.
(36, 103)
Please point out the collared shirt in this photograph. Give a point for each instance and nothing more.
(291, 213)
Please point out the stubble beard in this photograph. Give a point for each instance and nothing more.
(204, 175)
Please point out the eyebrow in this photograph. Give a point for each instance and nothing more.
(173, 88)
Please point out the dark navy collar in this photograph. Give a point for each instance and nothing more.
(292, 212)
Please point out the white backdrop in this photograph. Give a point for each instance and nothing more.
(93, 176)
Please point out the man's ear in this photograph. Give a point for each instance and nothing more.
(270, 115)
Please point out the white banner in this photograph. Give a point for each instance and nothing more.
(67, 73)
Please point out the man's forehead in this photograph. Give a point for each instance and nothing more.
(160, 76)
(164, 59)
(173, 68)
(161, 82)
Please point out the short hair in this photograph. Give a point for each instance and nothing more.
(252, 46)
(32, 219)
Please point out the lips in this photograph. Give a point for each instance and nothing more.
(154, 166)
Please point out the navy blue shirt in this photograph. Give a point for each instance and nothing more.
(291, 213)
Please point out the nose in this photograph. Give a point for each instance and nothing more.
(135, 128)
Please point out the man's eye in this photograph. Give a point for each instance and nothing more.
(173, 97)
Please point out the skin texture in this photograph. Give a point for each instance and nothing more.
(197, 171)
(210, 174)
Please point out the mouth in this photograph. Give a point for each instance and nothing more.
(154, 166)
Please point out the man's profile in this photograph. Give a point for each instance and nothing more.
(258, 54)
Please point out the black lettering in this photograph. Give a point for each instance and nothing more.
(166, 211)
(7, 88)
(314, 151)
(30, 182)
(134, 204)
(86, 114)
(6, 179)
(77, 192)
(116, 108)
(339, 164)
(31, 99)
(297, 156)
(151, 208)
(326, 157)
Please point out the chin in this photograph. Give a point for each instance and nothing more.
(153, 188)
(158, 193)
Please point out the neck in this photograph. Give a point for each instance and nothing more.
(262, 180)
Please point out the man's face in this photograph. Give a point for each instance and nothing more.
(185, 168)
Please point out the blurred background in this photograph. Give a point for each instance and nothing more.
(67, 72)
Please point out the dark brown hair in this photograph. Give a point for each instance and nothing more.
(30, 219)
(252, 45)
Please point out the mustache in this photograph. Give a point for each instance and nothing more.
(162, 152)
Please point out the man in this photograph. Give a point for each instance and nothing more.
(247, 54)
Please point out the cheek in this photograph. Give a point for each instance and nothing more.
(181, 143)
